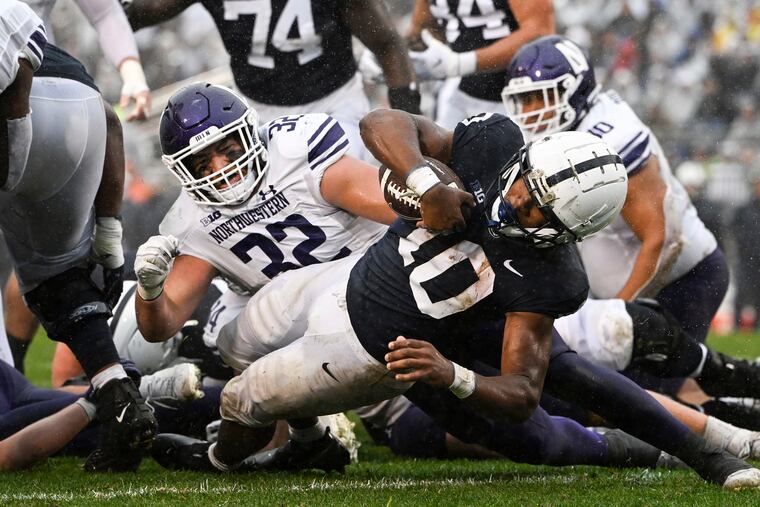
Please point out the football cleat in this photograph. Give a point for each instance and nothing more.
(343, 429)
(178, 452)
(624, 450)
(326, 453)
(179, 382)
(127, 428)
(716, 465)
(748, 478)
(724, 375)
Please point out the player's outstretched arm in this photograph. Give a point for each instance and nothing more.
(400, 141)
(370, 21)
(168, 289)
(644, 213)
(142, 13)
(43, 438)
(512, 396)
(535, 19)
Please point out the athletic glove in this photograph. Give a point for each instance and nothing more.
(134, 86)
(153, 262)
(107, 251)
(370, 68)
(439, 61)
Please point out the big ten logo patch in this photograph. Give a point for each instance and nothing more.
(210, 218)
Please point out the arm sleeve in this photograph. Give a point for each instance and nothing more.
(114, 32)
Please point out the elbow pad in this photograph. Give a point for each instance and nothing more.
(19, 143)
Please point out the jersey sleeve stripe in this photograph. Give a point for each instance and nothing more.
(331, 157)
(319, 130)
(634, 161)
(637, 137)
(37, 42)
(332, 137)
(634, 153)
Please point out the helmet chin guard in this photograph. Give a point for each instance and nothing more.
(198, 116)
(574, 178)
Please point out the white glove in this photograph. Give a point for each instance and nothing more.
(439, 61)
(134, 86)
(153, 262)
(370, 68)
(106, 248)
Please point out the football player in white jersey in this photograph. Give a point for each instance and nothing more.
(257, 201)
(658, 247)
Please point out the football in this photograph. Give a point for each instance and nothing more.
(404, 202)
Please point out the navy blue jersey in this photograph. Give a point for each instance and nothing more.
(442, 287)
(58, 63)
(473, 24)
(285, 52)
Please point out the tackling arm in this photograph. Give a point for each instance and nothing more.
(14, 104)
(142, 13)
(643, 212)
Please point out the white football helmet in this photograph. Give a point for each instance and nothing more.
(577, 181)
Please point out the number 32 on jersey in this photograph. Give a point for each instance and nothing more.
(308, 44)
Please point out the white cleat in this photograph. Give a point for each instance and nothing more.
(744, 444)
(179, 382)
(343, 429)
(749, 478)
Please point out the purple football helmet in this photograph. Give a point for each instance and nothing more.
(553, 69)
(198, 116)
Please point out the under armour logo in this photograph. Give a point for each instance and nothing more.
(265, 194)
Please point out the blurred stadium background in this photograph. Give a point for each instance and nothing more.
(690, 68)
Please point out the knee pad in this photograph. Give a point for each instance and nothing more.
(657, 335)
(66, 300)
(417, 435)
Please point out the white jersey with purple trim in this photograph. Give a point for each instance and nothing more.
(287, 223)
(22, 35)
(610, 254)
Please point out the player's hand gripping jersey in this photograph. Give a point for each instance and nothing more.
(442, 287)
(687, 240)
(287, 223)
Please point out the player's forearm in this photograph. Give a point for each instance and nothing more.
(511, 398)
(498, 55)
(645, 268)
(392, 137)
(158, 319)
(42, 439)
(111, 190)
(422, 18)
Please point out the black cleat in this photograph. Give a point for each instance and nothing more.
(742, 412)
(724, 375)
(127, 428)
(624, 451)
(178, 452)
(325, 453)
(717, 466)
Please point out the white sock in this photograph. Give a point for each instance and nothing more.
(115, 371)
(308, 434)
(735, 440)
(215, 461)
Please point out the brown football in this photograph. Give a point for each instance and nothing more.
(403, 201)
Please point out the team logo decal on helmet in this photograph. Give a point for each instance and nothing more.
(577, 181)
(198, 116)
(550, 85)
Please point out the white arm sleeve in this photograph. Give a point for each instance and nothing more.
(114, 32)
(22, 35)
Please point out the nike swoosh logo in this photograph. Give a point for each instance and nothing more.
(324, 367)
(120, 417)
(508, 265)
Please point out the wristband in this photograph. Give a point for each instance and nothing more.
(406, 98)
(464, 382)
(468, 63)
(89, 408)
(421, 179)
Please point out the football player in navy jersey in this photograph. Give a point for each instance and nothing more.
(295, 56)
(480, 40)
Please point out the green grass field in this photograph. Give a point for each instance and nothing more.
(379, 478)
